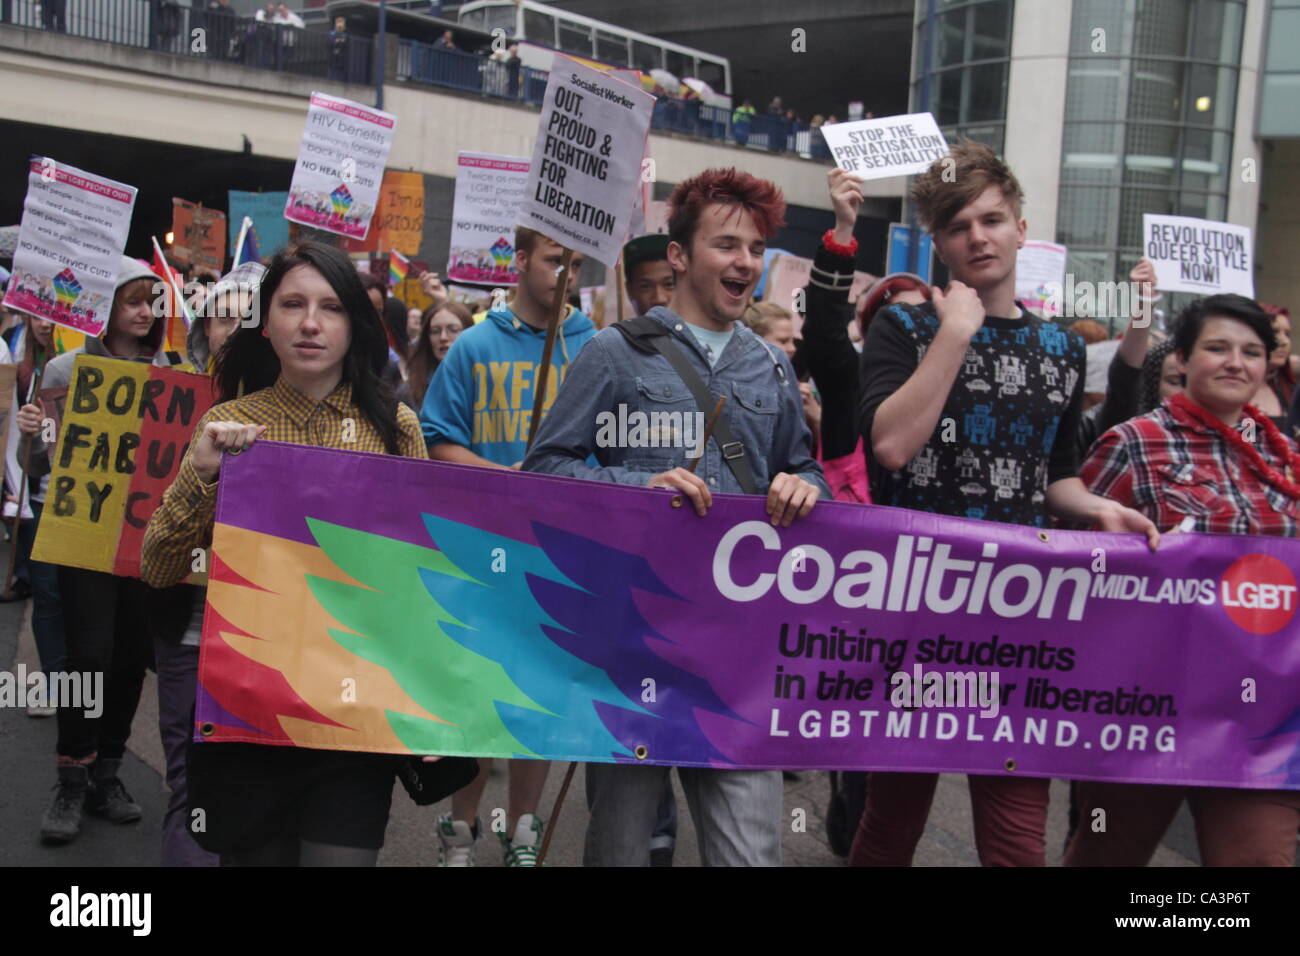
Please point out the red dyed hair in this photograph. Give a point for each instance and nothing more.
(878, 296)
(759, 197)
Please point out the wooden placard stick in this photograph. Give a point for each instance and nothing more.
(678, 500)
(25, 452)
(552, 327)
(620, 280)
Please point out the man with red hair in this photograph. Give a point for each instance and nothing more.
(680, 358)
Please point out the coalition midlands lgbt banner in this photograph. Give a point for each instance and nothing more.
(476, 611)
(124, 431)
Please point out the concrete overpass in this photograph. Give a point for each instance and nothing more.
(174, 125)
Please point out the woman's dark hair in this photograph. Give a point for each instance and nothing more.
(371, 281)
(1150, 376)
(395, 327)
(422, 362)
(248, 363)
(1193, 318)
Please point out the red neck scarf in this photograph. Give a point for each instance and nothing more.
(1184, 409)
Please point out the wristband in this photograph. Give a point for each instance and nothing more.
(834, 247)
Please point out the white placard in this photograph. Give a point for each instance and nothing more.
(1040, 276)
(586, 167)
(489, 190)
(1100, 355)
(340, 166)
(70, 243)
(888, 146)
(1199, 255)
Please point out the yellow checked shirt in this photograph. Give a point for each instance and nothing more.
(184, 519)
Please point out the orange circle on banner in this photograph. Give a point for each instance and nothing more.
(1259, 593)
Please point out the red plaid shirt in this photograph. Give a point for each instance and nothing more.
(1170, 469)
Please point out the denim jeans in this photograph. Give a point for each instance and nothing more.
(738, 814)
(47, 609)
(178, 673)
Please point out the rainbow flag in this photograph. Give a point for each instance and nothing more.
(398, 266)
(177, 314)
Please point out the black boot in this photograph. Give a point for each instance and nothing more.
(107, 797)
(62, 821)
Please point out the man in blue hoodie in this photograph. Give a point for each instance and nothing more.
(478, 410)
(479, 405)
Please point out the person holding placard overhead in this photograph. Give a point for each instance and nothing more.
(308, 371)
(719, 224)
(104, 627)
(1206, 460)
(970, 408)
(477, 410)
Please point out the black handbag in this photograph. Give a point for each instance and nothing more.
(428, 783)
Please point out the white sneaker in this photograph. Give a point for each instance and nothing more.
(457, 841)
(523, 849)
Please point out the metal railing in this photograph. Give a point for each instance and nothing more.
(455, 69)
(166, 26)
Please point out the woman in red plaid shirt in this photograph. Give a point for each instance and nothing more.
(1204, 460)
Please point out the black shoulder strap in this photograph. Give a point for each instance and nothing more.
(646, 335)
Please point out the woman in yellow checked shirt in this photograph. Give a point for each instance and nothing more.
(311, 362)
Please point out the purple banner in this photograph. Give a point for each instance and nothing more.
(494, 613)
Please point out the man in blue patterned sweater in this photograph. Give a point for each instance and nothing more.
(970, 406)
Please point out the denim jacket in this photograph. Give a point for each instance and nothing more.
(610, 376)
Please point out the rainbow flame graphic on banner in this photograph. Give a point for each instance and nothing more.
(502, 252)
(488, 612)
(66, 287)
(341, 199)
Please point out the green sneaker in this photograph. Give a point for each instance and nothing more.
(457, 841)
(522, 850)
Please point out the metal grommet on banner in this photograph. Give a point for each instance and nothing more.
(1011, 765)
(641, 752)
(1044, 537)
(677, 501)
(207, 729)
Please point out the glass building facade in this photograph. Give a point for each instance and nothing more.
(1149, 115)
(1279, 107)
(970, 57)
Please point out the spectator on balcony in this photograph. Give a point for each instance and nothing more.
(775, 108)
(339, 49)
(513, 66)
(284, 17)
(445, 42)
(54, 15)
(220, 21)
(741, 122)
(261, 49)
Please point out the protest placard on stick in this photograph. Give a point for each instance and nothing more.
(340, 166)
(489, 190)
(1040, 276)
(586, 166)
(198, 234)
(1199, 255)
(70, 244)
(885, 147)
